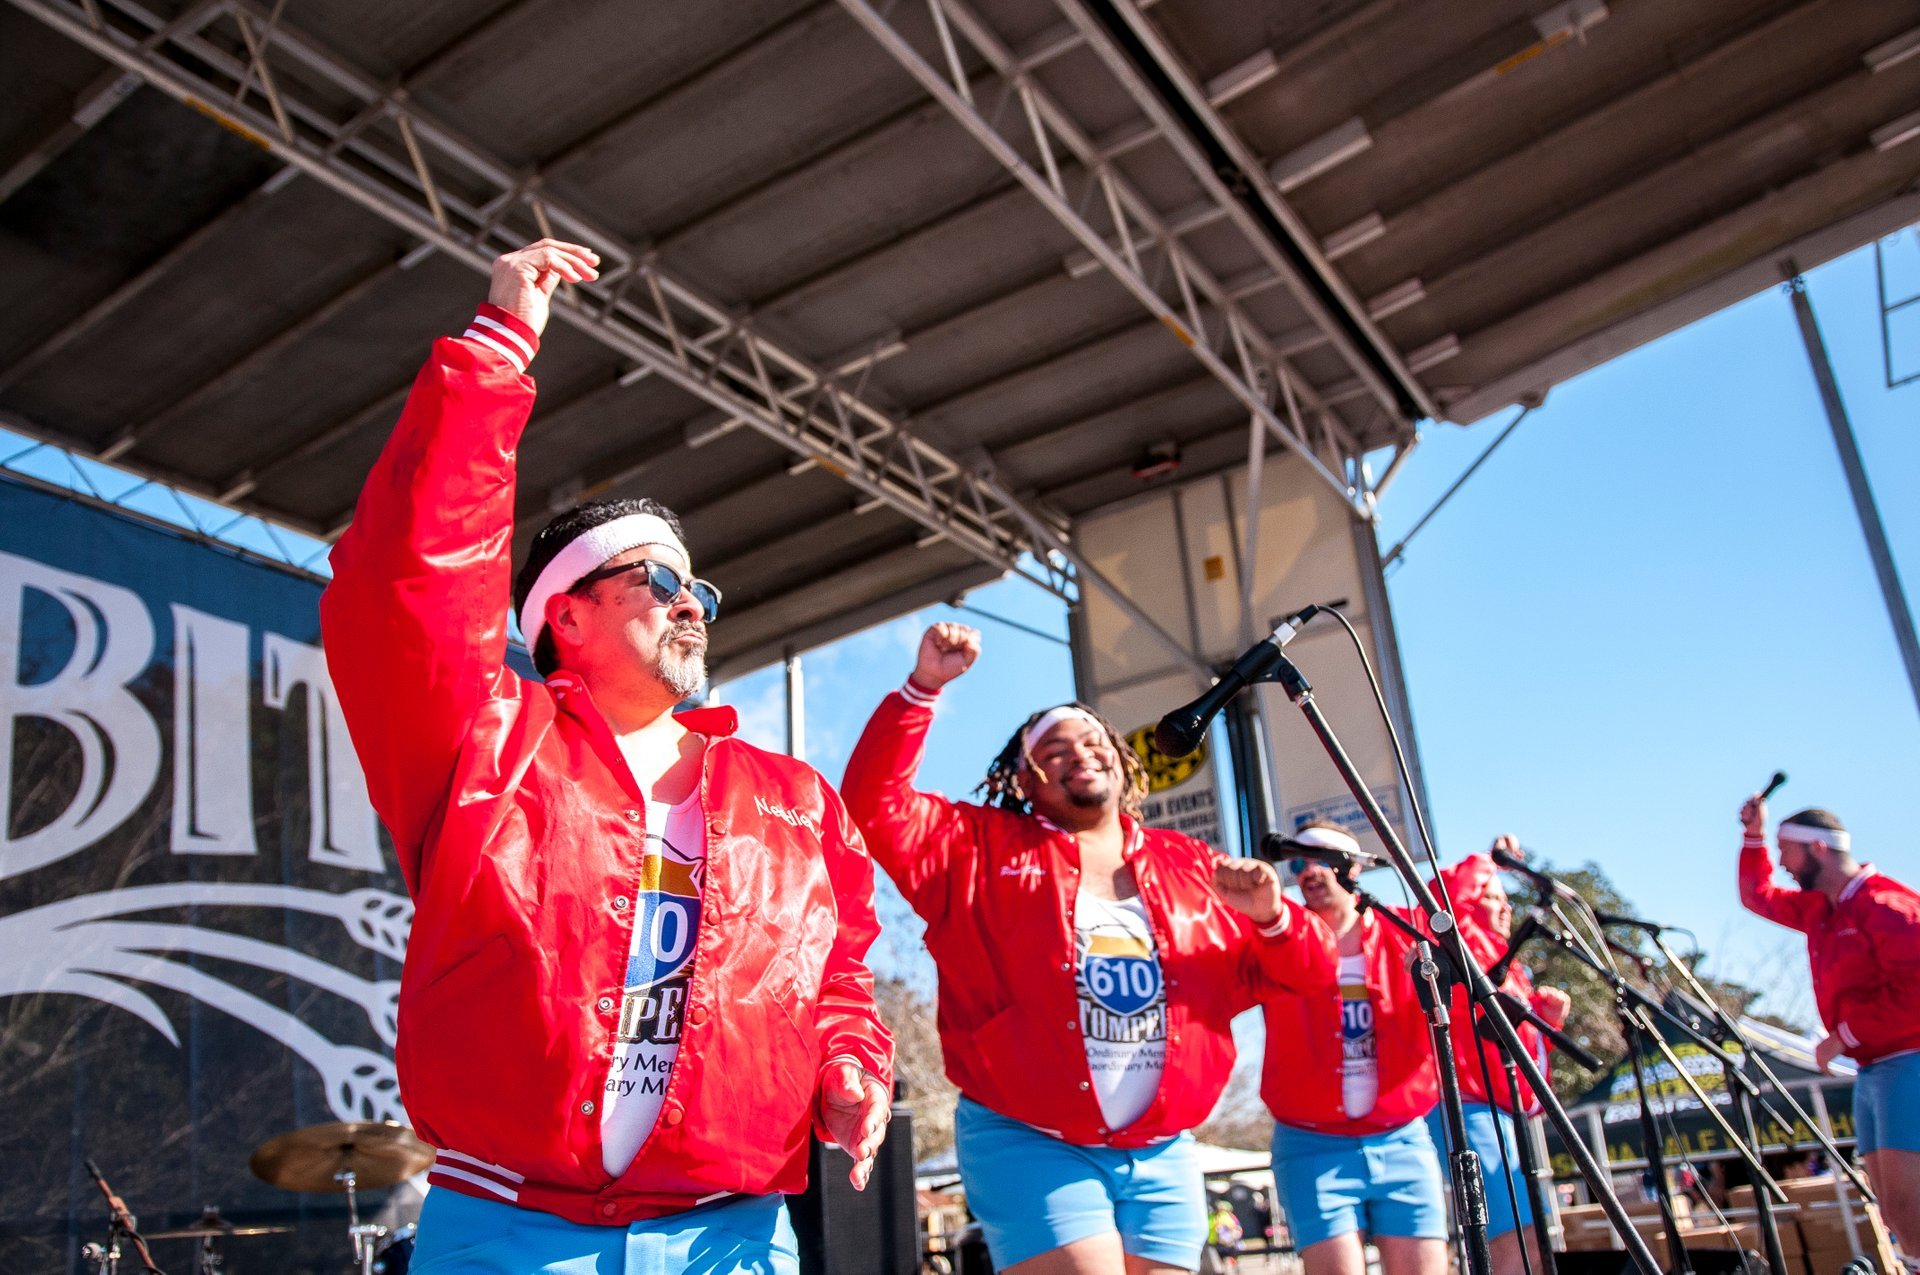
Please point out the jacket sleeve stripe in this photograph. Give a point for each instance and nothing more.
(510, 355)
(506, 333)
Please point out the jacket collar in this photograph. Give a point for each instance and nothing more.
(1135, 834)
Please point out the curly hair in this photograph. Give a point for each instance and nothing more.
(1001, 787)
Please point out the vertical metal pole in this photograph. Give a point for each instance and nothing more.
(796, 708)
(1863, 504)
(1818, 1094)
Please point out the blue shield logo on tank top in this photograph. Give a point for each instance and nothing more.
(1120, 973)
(666, 921)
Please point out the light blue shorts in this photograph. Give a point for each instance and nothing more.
(746, 1235)
(1882, 1121)
(1382, 1184)
(1488, 1133)
(1034, 1193)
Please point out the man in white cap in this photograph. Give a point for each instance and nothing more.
(1863, 942)
(1090, 969)
(636, 974)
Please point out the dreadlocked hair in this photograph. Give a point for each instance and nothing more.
(1001, 787)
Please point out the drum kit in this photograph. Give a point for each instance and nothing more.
(345, 1157)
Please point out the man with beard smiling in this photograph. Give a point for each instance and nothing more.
(1090, 969)
(636, 972)
(1863, 942)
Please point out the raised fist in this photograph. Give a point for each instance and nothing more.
(946, 651)
(1249, 887)
(1753, 816)
(524, 280)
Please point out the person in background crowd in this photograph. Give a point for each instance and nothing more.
(1224, 1233)
(1090, 969)
(636, 974)
(1863, 944)
(1349, 1076)
(1486, 916)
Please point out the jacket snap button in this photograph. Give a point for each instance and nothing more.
(719, 827)
(1066, 966)
(1084, 1086)
(620, 903)
(673, 1116)
(1072, 1026)
(633, 816)
(606, 1004)
(586, 1108)
(608, 1210)
(697, 1015)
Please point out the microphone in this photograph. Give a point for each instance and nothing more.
(1275, 848)
(1532, 925)
(1546, 883)
(1773, 785)
(1632, 922)
(1180, 732)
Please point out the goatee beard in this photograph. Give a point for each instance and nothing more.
(683, 671)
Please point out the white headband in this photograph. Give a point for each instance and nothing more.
(1050, 719)
(585, 553)
(1808, 833)
(1327, 839)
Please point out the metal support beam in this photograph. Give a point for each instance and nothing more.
(94, 103)
(1863, 504)
(1313, 282)
(380, 151)
(796, 679)
(1134, 225)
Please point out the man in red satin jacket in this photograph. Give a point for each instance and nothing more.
(636, 973)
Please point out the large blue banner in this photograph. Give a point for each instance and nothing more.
(201, 922)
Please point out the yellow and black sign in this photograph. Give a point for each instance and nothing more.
(1164, 772)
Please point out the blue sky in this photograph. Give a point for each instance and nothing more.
(1651, 597)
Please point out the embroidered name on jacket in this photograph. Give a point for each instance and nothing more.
(773, 810)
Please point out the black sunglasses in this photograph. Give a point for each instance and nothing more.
(665, 583)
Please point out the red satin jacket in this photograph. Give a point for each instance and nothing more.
(1865, 952)
(1300, 1077)
(519, 828)
(1466, 881)
(997, 890)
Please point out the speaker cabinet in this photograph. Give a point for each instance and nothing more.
(847, 1232)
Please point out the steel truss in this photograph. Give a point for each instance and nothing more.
(244, 68)
(1136, 244)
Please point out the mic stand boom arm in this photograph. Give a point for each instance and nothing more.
(1730, 1029)
(1637, 1011)
(1480, 991)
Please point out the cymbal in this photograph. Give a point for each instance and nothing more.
(211, 1226)
(378, 1153)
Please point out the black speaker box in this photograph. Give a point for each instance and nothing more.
(847, 1232)
(1705, 1261)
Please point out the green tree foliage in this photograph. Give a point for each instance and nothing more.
(909, 1014)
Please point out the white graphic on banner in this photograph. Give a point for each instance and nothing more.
(104, 946)
(88, 697)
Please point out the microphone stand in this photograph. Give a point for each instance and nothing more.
(1467, 1166)
(1746, 1093)
(1480, 991)
(1637, 1011)
(121, 1223)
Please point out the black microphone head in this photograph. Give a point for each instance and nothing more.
(1179, 733)
(1509, 862)
(1773, 785)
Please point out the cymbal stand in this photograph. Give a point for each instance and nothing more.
(364, 1235)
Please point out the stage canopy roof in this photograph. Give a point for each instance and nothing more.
(899, 289)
